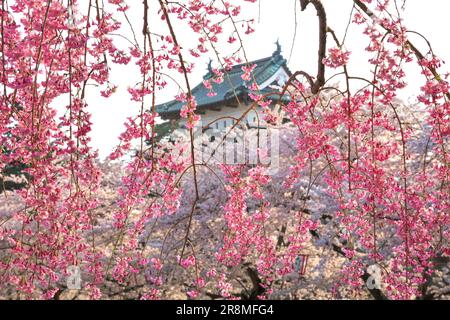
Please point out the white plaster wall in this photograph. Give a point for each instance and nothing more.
(220, 120)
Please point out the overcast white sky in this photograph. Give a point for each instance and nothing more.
(276, 21)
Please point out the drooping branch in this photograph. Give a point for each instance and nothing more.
(419, 55)
(190, 118)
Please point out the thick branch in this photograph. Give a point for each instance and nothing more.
(320, 80)
(376, 293)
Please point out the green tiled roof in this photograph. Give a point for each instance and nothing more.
(232, 86)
